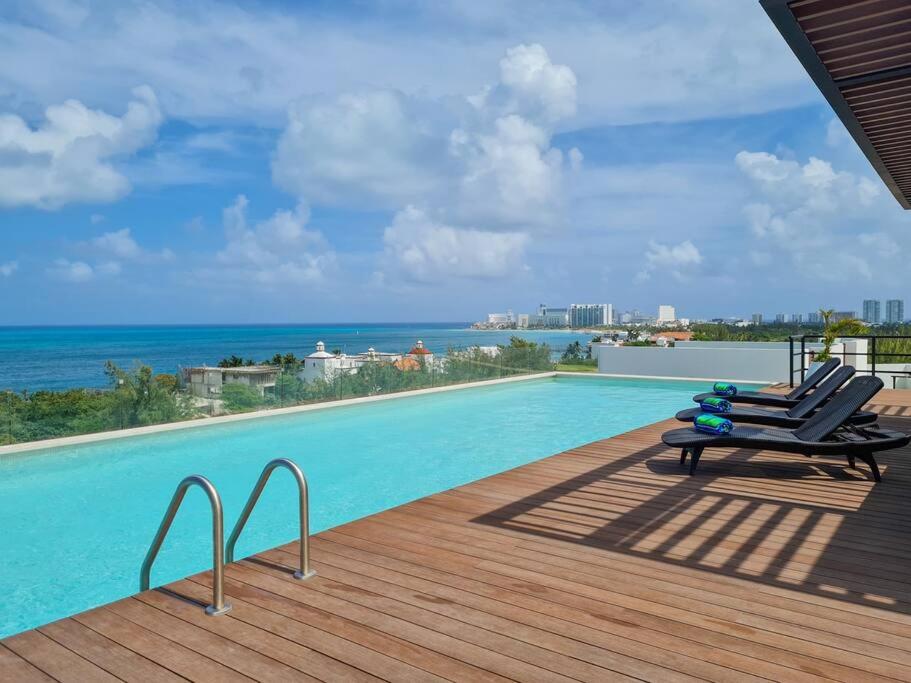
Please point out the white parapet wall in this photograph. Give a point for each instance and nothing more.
(728, 361)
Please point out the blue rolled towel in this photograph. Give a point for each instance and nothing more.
(715, 404)
(724, 389)
(712, 424)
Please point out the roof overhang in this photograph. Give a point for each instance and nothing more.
(858, 52)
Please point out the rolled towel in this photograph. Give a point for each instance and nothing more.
(724, 389)
(712, 424)
(715, 404)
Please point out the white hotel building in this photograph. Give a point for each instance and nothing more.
(591, 315)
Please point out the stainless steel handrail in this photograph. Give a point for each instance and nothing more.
(303, 503)
(218, 605)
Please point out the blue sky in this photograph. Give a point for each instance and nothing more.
(391, 161)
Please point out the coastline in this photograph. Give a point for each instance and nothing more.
(73, 357)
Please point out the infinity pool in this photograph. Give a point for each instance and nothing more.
(76, 522)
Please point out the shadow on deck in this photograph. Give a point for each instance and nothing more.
(810, 525)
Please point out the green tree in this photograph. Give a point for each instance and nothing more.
(240, 397)
(573, 353)
(140, 398)
(833, 330)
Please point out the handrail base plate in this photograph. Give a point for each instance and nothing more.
(300, 576)
(213, 611)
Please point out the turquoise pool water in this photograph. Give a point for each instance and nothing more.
(75, 523)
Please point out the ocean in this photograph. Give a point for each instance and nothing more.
(36, 358)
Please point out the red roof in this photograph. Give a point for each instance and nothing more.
(406, 364)
(419, 351)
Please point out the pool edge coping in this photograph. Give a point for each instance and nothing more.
(616, 375)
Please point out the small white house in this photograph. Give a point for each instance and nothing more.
(321, 365)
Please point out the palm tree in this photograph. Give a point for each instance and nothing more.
(831, 331)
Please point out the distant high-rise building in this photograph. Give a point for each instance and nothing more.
(797, 318)
(814, 318)
(590, 315)
(549, 316)
(871, 311)
(779, 318)
(838, 316)
(757, 319)
(666, 314)
(501, 318)
(895, 311)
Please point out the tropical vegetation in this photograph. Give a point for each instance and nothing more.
(139, 397)
(134, 398)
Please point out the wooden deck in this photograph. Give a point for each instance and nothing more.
(603, 563)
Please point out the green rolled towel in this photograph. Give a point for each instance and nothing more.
(712, 424)
(724, 389)
(715, 404)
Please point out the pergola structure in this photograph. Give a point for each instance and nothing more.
(858, 52)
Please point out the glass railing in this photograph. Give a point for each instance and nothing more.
(138, 397)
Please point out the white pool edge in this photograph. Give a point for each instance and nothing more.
(711, 380)
(201, 423)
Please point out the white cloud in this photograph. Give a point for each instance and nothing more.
(122, 245)
(213, 141)
(511, 174)
(814, 187)
(80, 271)
(96, 218)
(71, 271)
(671, 60)
(378, 147)
(678, 260)
(880, 243)
(481, 167)
(275, 252)
(68, 158)
(575, 159)
(478, 166)
(8, 268)
(817, 219)
(427, 251)
(108, 268)
(532, 85)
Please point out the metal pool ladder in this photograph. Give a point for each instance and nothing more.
(304, 572)
(218, 605)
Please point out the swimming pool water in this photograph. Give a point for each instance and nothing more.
(76, 522)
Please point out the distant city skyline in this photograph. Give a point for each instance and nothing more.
(874, 311)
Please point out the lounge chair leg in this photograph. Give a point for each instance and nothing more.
(851, 462)
(871, 461)
(683, 455)
(694, 460)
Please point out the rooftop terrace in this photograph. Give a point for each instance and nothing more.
(606, 562)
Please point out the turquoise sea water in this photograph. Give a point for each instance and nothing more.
(76, 522)
(63, 357)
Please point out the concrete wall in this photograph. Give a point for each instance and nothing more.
(732, 361)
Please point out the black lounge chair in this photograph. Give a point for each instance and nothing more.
(789, 400)
(826, 433)
(793, 417)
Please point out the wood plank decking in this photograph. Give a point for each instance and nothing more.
(602, 563)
